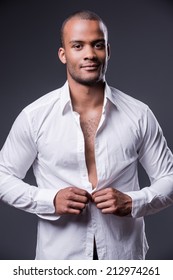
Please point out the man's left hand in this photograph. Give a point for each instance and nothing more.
(112, 201)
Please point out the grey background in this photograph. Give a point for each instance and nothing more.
(141, 38)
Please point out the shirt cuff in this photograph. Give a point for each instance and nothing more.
(138, 203)
(45, 204)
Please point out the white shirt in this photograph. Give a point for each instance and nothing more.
(47, 134)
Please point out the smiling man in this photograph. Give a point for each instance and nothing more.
(84, 141)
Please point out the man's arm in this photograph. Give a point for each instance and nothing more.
(16, 157)
(157, 160)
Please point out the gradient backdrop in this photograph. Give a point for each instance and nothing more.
(141, 38)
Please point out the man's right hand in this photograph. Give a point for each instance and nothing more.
(71, 200)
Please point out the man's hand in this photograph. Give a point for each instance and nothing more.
(71, 200)
(112, 201)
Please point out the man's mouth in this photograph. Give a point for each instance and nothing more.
(91, 66)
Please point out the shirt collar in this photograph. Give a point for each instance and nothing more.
(65, 97)
(66, 100)
(109, 96)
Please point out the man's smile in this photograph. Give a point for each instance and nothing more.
(91, 66)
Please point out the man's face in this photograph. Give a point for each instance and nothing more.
(85, 51)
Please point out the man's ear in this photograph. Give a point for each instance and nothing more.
(109, 50)
(61, 54)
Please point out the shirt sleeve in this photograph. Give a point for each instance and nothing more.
(157, 160)
(16, 157)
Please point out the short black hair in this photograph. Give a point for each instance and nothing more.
(81, 14)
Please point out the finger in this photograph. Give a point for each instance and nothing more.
(75, 205)
(109, 210)
(77, 198)
(80, 198)
(71, 211)
(100, 199)
(105, 205)
(103, 198)
(108, 207)
(82, 195)
(71, 207)
(101, 192)
(79, 191)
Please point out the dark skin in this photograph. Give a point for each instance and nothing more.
(72, 200)
(86, 53)
(112, 201)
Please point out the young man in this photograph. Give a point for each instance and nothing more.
(84, 141)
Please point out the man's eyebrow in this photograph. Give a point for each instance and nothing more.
(75, 41)
(99, 41)
(93, 42)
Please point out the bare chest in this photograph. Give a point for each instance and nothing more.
(89, 125)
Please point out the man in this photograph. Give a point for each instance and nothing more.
(84, 141)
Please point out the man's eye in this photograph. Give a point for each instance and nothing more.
(100, 46)
(77, 46)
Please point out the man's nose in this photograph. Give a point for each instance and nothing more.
(90, 53)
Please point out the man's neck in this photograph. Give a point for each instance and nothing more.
(86, 97)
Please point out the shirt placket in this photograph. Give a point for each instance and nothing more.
(98, 159)
(95, 217)
(93, 227)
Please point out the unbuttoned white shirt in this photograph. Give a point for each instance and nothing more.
(47, 134)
